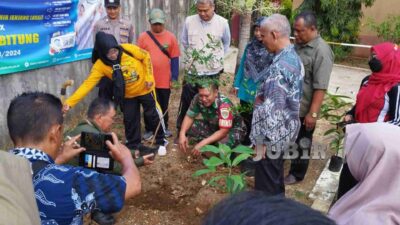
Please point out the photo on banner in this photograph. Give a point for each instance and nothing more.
(41, 33)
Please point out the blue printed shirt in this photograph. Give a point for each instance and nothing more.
(276, 109)
(64, 194)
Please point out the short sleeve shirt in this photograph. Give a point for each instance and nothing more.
(161, 62)
(122, 29)
(317, 58)
(219, 114)
(64, 194)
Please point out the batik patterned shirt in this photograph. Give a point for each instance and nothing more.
(276, 110)
(64, 194)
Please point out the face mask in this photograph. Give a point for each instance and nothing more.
(375, 64)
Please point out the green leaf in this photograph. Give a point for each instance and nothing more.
(210, 148)
(213, 161)
(213, 180)
(225, 148)
(238, 183)
(201, 172)
(243, 149)
(240, 158)
(330, 131)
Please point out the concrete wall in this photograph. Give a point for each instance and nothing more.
(50, 79)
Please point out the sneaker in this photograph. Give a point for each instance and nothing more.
(148, 135)
(162, 150)
(290, 179)
(168, 133)
(102, 218)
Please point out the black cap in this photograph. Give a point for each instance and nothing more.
(108, 3)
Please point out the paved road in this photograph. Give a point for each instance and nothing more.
(346, 80)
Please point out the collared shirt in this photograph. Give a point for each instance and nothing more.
(317, 58)
(122, 29)
(226, 36)
(64, 194)
(276, 108)
(219, 114)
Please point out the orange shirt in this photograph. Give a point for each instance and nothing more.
(161, 62)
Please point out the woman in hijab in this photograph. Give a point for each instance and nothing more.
(378, 99)
(130, 69)
(254, 63)
(373, 157)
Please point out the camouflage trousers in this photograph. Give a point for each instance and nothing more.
(202, 129)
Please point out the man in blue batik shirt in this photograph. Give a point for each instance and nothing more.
(276, 121)
(64, 194)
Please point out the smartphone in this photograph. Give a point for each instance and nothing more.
(97, 155)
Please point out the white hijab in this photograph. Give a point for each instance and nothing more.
(373, 156)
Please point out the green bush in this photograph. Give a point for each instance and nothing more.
(388, 30)
(333, 110)
(338, 20)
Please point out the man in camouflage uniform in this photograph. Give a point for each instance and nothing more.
(210, 119)
(121, 29)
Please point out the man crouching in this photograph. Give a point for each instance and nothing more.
(209, 120)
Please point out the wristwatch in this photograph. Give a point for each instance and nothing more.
(314, 115)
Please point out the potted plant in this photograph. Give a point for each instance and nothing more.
(333, 110)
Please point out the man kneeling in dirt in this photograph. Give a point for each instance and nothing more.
(209, 120)
(100, 118)
(65, 194)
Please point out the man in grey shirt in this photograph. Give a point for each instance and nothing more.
(317, 58)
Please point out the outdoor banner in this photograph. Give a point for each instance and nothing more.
(40, 33)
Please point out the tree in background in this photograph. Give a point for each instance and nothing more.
(338, 20)
(388, 30)
(248, 10)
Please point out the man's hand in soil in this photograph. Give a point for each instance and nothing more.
(183, 143)
(196, 150)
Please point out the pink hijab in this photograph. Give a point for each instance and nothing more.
(373, 155)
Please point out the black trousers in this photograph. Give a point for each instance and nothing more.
(247, 117)
(163, 95)
(187, 95)
(163, 99)
(269, 175)
(299, 166)
(106, 88)
(132, 119)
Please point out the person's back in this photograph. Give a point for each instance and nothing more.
(17, 199)
(64, 194)
(257, 208)
(373, 158)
